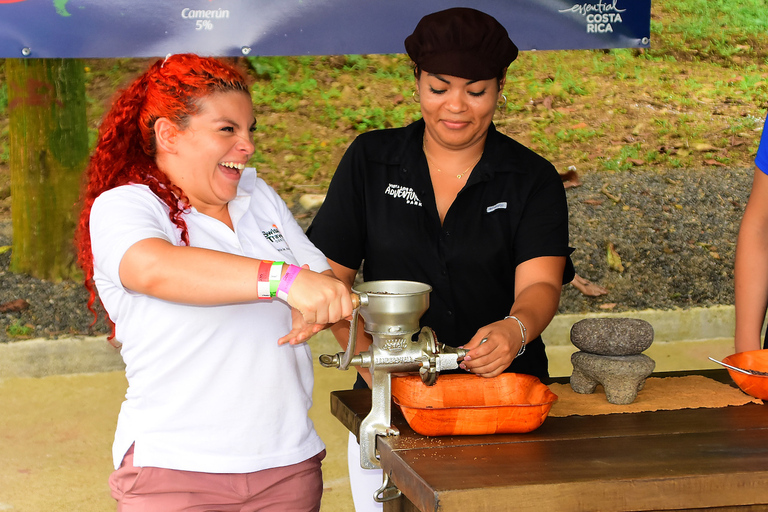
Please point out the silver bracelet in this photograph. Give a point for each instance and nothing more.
(522, 333)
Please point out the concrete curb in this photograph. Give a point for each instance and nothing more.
(42, 357)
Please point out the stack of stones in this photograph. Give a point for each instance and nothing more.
(610, 354)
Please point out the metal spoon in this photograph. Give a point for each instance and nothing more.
(734, 368)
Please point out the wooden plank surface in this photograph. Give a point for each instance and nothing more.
(602, 473)
(663, 460)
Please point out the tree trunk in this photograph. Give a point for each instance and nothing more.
(48, 153)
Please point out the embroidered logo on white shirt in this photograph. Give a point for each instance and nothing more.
(497, 206)
(406, 193)
(276, 237)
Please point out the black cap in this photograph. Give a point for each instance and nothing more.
(461, 42)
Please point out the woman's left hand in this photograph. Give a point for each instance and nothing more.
(301, 331)
(491, 357)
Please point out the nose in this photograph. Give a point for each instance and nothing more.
(456, 102)
(246, 145)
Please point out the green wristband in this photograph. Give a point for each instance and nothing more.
(275, 274)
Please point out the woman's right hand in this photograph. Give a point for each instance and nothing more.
(321, 298)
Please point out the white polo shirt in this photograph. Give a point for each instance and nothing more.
(209, 389)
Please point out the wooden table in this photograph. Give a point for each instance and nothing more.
(686, 459)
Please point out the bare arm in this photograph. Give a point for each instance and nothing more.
(191, 275)
(538, 284)
(751, 271)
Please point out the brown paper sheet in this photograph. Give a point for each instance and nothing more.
(668, 393)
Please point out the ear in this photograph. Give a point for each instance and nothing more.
(166, 135)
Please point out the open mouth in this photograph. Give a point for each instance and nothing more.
(232, 168)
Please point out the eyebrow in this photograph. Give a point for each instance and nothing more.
(232, 122)
(440, 77)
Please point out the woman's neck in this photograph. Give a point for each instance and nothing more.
(456, 161)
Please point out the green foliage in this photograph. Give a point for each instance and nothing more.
(705, 18)
(19, 330)
(4, 150)
(268, 67)
(719, 28)
(283, 82)
(3, 97)
(621, 162)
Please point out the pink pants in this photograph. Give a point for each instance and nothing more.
(298, 487)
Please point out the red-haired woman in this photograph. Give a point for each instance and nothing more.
(182, 242)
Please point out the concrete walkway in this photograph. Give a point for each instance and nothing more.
(56, 427)
(59, 401)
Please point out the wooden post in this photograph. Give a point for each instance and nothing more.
(48, 153)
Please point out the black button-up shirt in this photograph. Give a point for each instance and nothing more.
(380, 210)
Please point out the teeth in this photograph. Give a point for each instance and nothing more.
(233, 165)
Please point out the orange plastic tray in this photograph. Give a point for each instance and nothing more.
(755, 385)
(472, 405)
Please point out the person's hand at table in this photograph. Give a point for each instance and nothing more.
(491, 357)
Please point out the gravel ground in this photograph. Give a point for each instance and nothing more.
(674, 232)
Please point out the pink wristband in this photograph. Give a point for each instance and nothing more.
(287, 281)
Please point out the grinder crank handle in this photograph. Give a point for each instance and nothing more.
(342, 360)
(345, 358)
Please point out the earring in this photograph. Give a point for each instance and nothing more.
(502, 102)
(416, 97)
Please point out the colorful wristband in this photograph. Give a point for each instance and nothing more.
(275, 273)
(287, 281)
(263, 277)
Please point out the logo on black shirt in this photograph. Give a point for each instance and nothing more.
(406, 193)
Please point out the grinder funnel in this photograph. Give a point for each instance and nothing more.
(392, 307)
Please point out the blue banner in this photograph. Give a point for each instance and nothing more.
(153, 28)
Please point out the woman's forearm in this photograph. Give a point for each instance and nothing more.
(538, 285)
(191, 275)
(535, 306)
(188, 275)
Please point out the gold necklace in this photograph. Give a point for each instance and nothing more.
(430, 159)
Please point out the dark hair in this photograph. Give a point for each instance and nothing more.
(499, 77)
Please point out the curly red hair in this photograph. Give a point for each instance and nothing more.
(125, 151)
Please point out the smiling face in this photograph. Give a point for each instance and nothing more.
(457, 111)
(205, 157)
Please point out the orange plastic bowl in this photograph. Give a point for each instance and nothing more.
(471, 405)
(755, 385)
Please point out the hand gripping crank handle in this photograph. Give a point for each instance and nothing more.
(342, 360)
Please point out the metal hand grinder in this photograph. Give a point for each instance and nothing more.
(391, 311)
